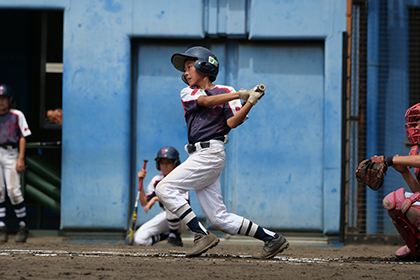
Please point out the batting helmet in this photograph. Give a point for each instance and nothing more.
(6, 91)
(170, 153)
(206, 62)
(412, 127)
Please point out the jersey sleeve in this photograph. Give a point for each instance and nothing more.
(189, 98)
(151, 186)
(233, 106)
(23, 125)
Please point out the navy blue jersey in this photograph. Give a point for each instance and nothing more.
(13, 126)
(207, 123)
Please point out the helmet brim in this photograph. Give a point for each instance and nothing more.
(178, 60)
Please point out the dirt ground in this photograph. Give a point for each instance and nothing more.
(49, 260)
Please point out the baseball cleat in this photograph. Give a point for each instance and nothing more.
(202, 243)
(4, 236)
(22, 234)
(272, 247)
(175, 241)
(404, 253)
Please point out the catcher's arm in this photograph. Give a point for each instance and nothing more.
(402, 164)
(410, 161)
(411, 181)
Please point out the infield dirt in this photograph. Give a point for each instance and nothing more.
(48, 260)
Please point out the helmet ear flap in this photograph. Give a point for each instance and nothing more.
(157, 163)
(184, 79)
(206, 68)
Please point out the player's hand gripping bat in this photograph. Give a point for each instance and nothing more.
(132, 226)
(252, 95)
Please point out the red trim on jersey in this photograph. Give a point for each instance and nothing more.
(221, 125)
(194, 91)
(223, 88)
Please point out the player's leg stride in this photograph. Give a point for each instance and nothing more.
(203, 239)
(273, 242)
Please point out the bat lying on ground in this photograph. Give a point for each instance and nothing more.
(132, 226)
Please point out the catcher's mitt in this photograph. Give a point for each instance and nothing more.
(371, 173)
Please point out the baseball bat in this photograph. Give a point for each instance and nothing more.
(260, 88)
(130, 231)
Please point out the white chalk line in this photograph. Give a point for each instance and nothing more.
(151, 253)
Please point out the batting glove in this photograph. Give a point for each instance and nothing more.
(243, 94)
(254, 96)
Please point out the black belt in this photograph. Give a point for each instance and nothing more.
(191, 148)
(8, 146)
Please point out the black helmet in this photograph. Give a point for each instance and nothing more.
(7, 91)
(169, 153)
(206, 62)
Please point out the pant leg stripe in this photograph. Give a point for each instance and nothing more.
(249, 228)
(253, 230)
(189, 217)
(244, 227)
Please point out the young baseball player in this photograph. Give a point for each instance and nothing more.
(403, 207)
(164, 225)
(13, 130)
(211, 111)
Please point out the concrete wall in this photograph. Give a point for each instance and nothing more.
(96, 177)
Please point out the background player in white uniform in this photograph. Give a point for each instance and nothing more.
(164, 225)
(211, 111)
(13, 130)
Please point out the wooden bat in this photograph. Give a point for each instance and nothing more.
(132, 226)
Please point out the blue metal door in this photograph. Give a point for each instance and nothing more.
(274, 169)
(273, 174)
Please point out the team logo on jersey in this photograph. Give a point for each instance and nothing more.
(237, 108)
(213, 61)
(215, 111)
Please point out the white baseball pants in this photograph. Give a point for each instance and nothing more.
(157, 225)
(201, 173)
(9, 177)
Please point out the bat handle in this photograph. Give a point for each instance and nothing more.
(141, 179)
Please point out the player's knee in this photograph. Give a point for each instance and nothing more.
(142, 239)
(159, 189)
(159, 194)
(394, 200)
(16, 198)
(218, 223)
(396, 203)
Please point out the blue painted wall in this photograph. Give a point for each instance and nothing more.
(97, 129)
